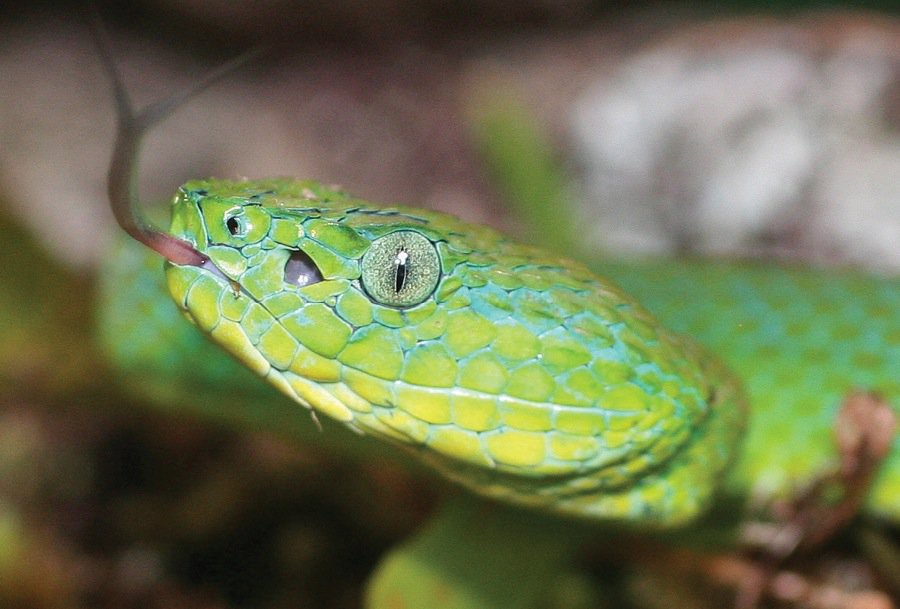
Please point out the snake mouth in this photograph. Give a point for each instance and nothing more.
(210, 267)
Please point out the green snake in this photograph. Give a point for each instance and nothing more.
(523, 375)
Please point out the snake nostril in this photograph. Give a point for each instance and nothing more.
(300, 270)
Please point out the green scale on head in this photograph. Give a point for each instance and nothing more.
(518, 373)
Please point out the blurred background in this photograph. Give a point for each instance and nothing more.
(714, 128)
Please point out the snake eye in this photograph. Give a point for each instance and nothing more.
(401, 269)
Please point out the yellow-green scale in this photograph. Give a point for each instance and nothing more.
(525, 376)
(800, 340)
(521, 374)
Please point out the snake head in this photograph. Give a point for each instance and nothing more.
(514, 371)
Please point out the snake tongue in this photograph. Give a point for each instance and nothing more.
(170, 247)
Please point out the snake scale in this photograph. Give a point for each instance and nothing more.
(525, 376)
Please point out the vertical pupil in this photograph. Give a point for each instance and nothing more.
(402, 270)
(233, 225)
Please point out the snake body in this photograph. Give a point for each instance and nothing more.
(518, 373)
(523, 375)
(800, 340)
